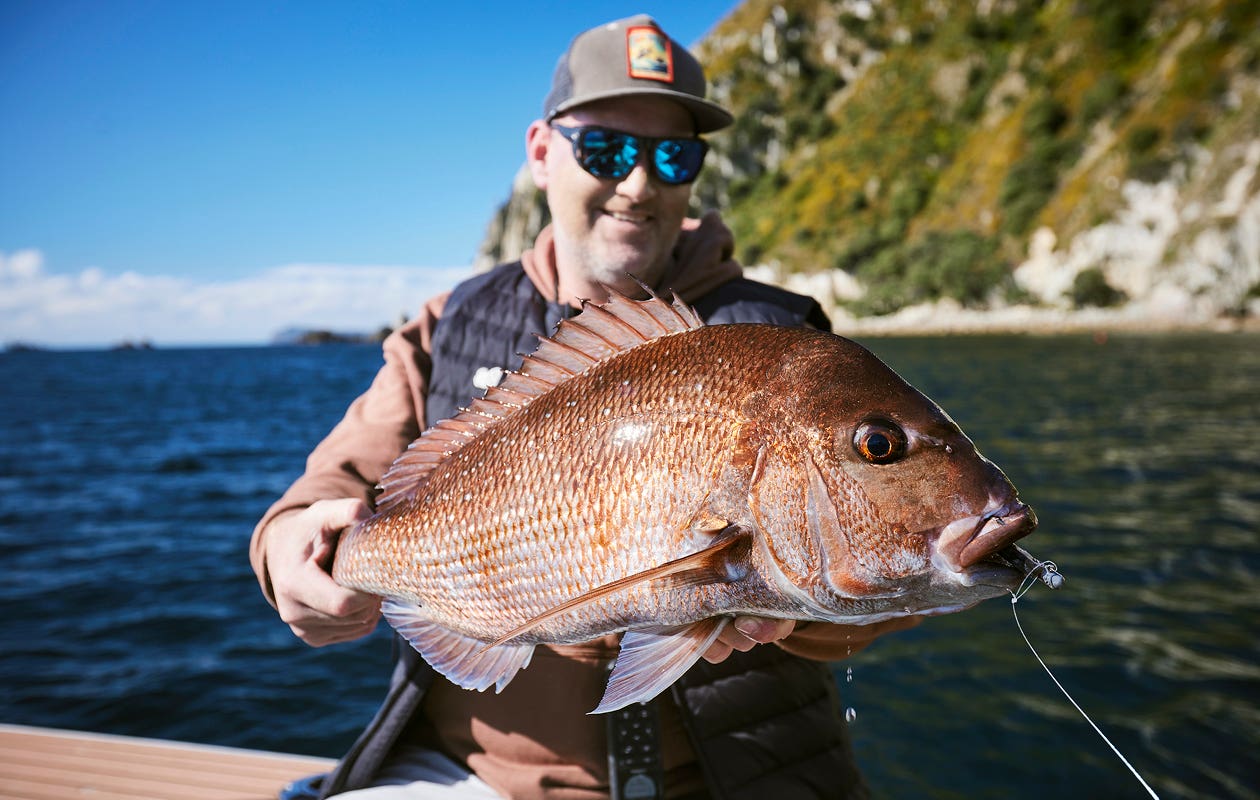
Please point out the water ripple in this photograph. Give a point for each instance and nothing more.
(130, 482)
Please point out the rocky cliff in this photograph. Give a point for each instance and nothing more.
(927, 165)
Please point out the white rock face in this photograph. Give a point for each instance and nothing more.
(1177, 254)
(1185, 254)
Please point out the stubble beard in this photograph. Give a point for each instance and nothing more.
(609, 263)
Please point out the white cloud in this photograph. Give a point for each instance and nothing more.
(95, 308)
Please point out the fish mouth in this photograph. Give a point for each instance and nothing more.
(982, 547)
(1016, 558)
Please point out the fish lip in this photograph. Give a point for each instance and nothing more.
(983, 541)
(998, 530)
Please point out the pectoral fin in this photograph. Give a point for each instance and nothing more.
(652, 659)
(465, 661)
(726, 559)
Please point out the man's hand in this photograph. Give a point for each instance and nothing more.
(832, 641)
(745, 634)
(299, 548)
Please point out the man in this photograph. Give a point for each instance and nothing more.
(615, 152)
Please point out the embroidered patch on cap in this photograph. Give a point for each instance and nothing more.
(648, 54)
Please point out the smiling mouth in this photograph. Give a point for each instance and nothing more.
(630, 218)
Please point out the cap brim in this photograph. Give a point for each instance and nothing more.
(709, 116)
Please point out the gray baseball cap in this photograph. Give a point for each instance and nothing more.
(632, 56)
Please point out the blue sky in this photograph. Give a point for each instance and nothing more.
(199, 172)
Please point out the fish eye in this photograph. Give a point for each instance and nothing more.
(879, 441)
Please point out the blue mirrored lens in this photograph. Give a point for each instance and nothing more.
(612, 154)
(608, 154)
(678, 160)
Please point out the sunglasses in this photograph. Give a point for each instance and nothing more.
(610, 154)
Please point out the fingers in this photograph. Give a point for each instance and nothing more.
(300, 548)
(717, 652)
(320, 612)
(336, 515)
(745, 634)
(760, 630)
(318, 629)
(313, 590)
(834, 641)
(863, 635)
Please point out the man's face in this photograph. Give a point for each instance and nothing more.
(605, 228)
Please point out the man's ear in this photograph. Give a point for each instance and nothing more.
(537, 142)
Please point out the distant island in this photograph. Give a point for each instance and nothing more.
(307, 336)
(23, 347)
(127, 344)
(30, 347)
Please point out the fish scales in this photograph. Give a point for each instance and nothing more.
(592, 482)
(646, 473)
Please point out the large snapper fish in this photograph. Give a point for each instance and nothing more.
(647, 473)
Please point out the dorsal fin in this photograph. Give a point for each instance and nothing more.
(599, 332)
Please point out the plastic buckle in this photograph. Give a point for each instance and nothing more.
(303, 788)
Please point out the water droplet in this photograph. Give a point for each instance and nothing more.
(848, 675)
(850, 714)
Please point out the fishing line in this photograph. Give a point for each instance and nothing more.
(1050, 576)
(1051, 572)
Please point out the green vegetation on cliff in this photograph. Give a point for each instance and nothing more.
(918, 144)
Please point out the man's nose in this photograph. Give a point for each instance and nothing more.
(638, 184)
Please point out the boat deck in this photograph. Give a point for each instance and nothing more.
(46, 764)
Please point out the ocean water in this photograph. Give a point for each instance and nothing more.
(130, 482)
